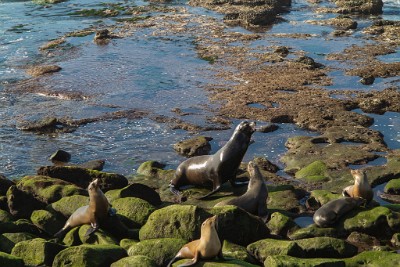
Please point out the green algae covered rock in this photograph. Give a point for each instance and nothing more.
(133, 210)
(72, 237)
(393, 187)
(8, 240)
(238, 226)
(271, 247)
(284, 260)
(233, 251)
(323, 196)
(10, 260)
(89, 255)
(313, 231)
(283, 198)
(326, 247)
(280, 224)
(175, 221)
(374, 259)
(127, 243)
(156, 170)
(135, 190)
(5, 217)
(138, 260)
(195, 146)
(47, 221)
(47, 189)
(37, 251)
(68, 205)
(216, 263)
(21, 225)
(314, 172)
(161, 251)
(99, 237)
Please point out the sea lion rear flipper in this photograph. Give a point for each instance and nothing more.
(60, 233)
(193, 261)
(174, 190)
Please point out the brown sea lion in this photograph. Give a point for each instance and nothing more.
(255, 199)
(97, 210)
(218, 168)
(329, 213)
(361, 187)
(207, 247)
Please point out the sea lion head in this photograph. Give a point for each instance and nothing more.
(359, 176)
(211, 222)
(246, 127)
(94, 184)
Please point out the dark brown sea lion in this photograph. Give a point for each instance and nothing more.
(329, 213)
(255, 199)
(207, 247)
(361, 187)
(218, 168)
(97, 210)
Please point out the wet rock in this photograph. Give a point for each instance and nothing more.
(37, 252)
(309, 62)
(89, 255)
(139, 260)
(161, 251)
(359, 6)
(156, 170)
(284, 260)
(4, 185)
(96, 164)
(8, 240)
(314, 172)
(134, 211)
(82, 177)
(392, 187)
(42, 70)
(320, 197)
(231, 250)
(194, 147)
(280, 224)
(374, 105)
(135, 190)
(60, 155)
(48, 222)
(103, 36)
(268, 128)
(68, 205)
(313, 231)
(283, 198)
(99, 237)
(270, 247)
(374, 258)
(265, 164)
(22, 204)
(368, 80)
(52, 44)
(46, 125)
(341, 22)
(48, 190)
(10, 260)
(362, 241)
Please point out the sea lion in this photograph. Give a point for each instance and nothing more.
(329, 213)
(255, 198)
(361, 187)
(218, 168)
(207, 247)
(97, 210)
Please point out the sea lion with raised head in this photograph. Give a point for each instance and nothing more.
(361, 187)
(254, 200)
(97, 210)
(330, 213)
(218, 168)
(207, 247)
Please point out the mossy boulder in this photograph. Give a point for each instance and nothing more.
(8, 240)
(161, 251)
(5, 216)
(284, 260)
(233, 251)
(314, 172)
(195, 146)
(238, 226)
(47, 189)
(47, 221)
(283, 198)
(271, 247)
(22, 204)
(280, 224)
(99, 237)
(89, 255)
(393, 187)
(135, 190)
(319, 198)
(72, 237)
(313, 231)
(175, 221)
(127, 243)
(374, 259)
(132, 210)
(10, 260)
(216, 263)
(68, 205)
(325, 247)
(156, 170)
(21, 225)
(82, 177)
(36, 252)
(139, 260)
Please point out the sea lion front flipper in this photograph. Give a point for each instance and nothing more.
(174, 190)
(92, 229)
(220, 255)
(211, 193)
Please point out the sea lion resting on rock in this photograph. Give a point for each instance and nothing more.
(218, 168)
(97, 210)
(207, 247)
(329, 213)
(361, 187)
(255, 198)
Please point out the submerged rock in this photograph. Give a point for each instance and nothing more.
(42, 70)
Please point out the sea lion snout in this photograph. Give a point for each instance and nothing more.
(247, 127)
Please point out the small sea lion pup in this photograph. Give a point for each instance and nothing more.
(361, 187)
(92, 214)
(254, 200)
(218, 168)
(331, 212)
(207, 247)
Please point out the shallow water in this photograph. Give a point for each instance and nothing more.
(141, 72)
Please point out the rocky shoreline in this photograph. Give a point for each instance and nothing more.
(287, 86)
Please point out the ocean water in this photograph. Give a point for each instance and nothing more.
(140, 72)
